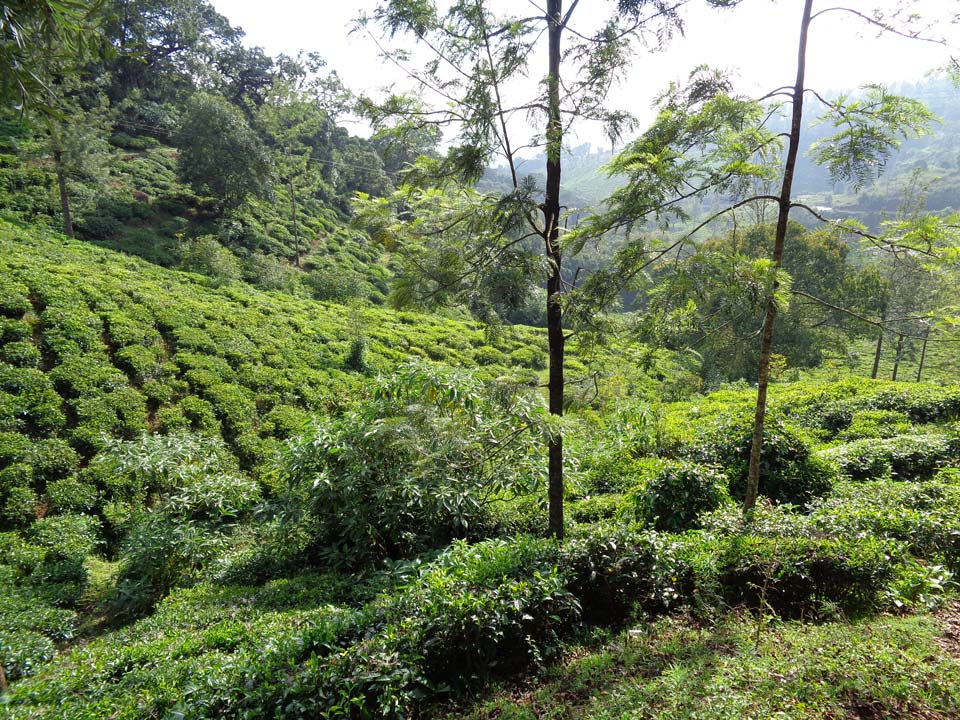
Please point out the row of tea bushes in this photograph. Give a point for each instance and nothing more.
(95, 345)
(478, 611)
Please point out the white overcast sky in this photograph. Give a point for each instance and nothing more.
(757, 40)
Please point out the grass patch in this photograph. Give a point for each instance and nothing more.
(742, 667)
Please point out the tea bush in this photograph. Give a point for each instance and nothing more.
(790, 472)
(798, 577)
(594, 508)
(672, 494)
(875, 424)
(833, 406)
(923, 515)
(613, 570)
(902, 457)
(172, 543)
(65, 541)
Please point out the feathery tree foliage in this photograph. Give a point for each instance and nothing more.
(480, 65)
(679, 158)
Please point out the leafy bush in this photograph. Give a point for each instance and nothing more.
(486, 609)
(100, 226)
(919, 585)
(13, 298)
(21, 354)
(609, 453)
(28, 402)
(333, 284)
(596, 507)
(410, 470)
(170, 544)
(67, 540)
(531, 357)
(674, 493)
(151, 464)
(356, 358)
(789, 471)
(205, 255)
(875, 424)
(14, 447)
(833, 406)
(20, 507)
(71, 495)
(924, 515)
(766, 520)
(904, 457)
(612, 571)
(797, 577)
(193, 655)
(22, 652)
(267, 272)
(52, 460)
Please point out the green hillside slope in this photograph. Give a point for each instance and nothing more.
(97, 345)
(140, 207)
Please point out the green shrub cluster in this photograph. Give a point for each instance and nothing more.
(833, 407)
(790, 472)
(797, 577)
(413, 467)
(672, 494)
(924, 515)
(902, 457)
(876, 424)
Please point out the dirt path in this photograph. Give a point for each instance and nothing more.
(949, 640)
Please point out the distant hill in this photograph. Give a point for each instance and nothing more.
(141, 208)
(925, 169)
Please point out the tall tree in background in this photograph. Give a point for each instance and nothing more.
(44, 47)
(39, 40)
(480, 64)
(688, 154)
(74, 138)
(164, 48)
(868, 129)
(220, 155)
(290, 121)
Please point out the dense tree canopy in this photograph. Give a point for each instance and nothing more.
(220, 154)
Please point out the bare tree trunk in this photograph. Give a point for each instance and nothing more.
(64, 197)
(877, 354)
(293, 210)
(551, 216)
(896, 360)
(766, 342)
(923, 352)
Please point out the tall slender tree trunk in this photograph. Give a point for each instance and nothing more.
(64, 197)
(293, 212)
(899, 356)
(766, 341)
(551, 217)
(878, 353)
(923, 352)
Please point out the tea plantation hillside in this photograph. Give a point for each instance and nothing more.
(142, 208)
(96, 345)
(217, 501)
(663, 602)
